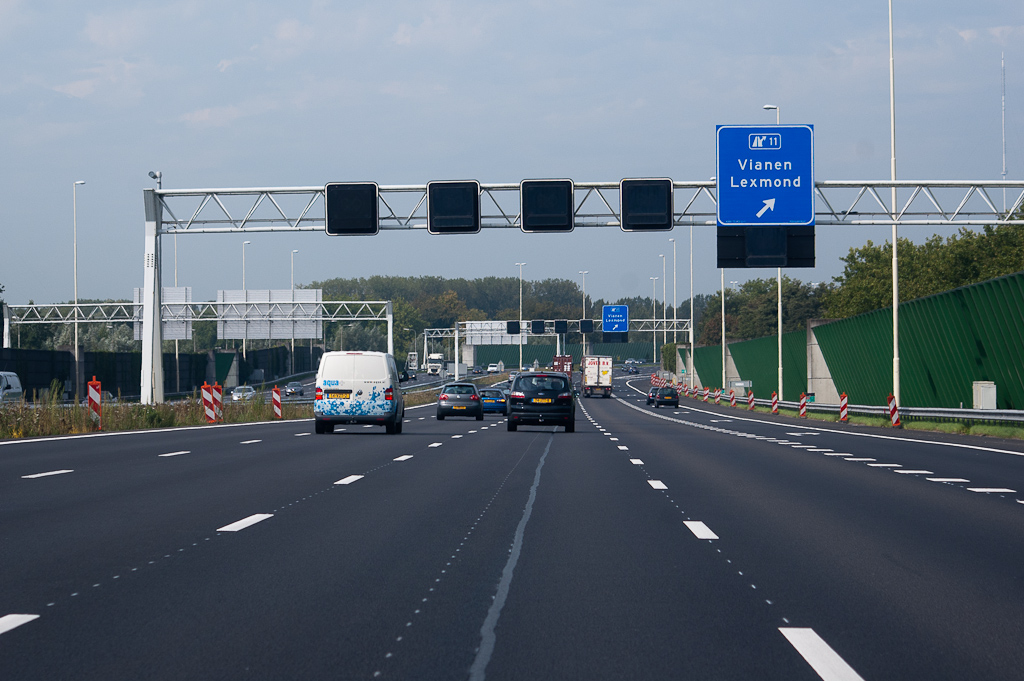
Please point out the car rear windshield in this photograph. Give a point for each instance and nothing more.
(668, 392)
(491, 393)
(542, 382)
(459, 390)
(354, 367)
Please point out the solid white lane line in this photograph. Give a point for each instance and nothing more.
(404, 457)
(249, 442)
(349, 480)
(43, 475)
(948, 479)
(8, 622)
(992, 490)
(657, 484)
(623, 448)
(700, 530)
(906, 472)
(636, 462)
(823, 660)
(184, 451)
(245, 522)
(435, 444)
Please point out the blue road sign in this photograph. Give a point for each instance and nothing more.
(615, 319)
(765, 175)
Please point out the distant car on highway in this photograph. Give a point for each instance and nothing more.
(293, 388)
(492, 369)
(10, 387)
(663, 397)
(477, 369)
(243, 393)
(459, 399)
(494, 401)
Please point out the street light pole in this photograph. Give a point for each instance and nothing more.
(520, 266)
(675, 301)
(654, 319)
(245, 302)
(722, 272)
(689, 369)
(895, 261)
(584, 273)
(159, 177)
(74, 218)
(664, 302)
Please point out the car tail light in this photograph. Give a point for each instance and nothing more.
(442, 397)
(319, 393)
(475, 398)
(518, 395)
(564, 396)
(389, 394)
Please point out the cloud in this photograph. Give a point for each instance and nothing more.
(968, 34)
(220, 116)
(447, 29)
(114, 79)
(1003, 34)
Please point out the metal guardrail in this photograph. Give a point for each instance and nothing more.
(913, 413)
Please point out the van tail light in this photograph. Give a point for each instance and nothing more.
(389, 394)
(442, 397)
(319, 393)
(474, 398)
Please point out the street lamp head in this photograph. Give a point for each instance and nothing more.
(770, 107)
(79, 181)
(671, 241)
(155, 174)
(295, 250)
(246, 242)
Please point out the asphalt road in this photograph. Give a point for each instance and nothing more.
(690, 543)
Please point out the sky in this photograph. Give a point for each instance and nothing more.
(274, 94)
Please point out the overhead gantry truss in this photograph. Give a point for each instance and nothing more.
(838, 202)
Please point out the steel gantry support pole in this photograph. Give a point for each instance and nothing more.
(389, 313)
(152, 331)
(895, 261)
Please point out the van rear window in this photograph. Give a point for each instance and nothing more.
(355, 367)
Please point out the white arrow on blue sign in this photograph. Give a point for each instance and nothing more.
(765, 175)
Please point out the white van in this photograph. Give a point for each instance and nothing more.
(358, 387)
(10, 387)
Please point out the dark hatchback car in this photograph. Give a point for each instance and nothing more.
(540, 399)
(459, 399)
(494, 401)
(663, 397)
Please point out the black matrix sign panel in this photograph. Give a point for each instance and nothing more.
(453, 207)
(646, 205)
(546, 205)
(351, 208)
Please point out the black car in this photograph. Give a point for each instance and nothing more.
(668, 397)
(293, 388)
(540, 399)
(459, 399)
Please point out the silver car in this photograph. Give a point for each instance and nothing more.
(243, 393)
(459, 399)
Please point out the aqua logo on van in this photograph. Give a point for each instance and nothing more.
(331, 383)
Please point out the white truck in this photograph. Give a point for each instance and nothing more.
(435, 362)
(597, 375)
(412, 364)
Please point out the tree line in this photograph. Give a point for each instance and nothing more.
(424, 302)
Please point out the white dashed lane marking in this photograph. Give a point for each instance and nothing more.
(245, 522)
(657, 484)
(948, 479)
(47, 474)
(249, 442)
(636, 462)
(349, 480)
(700, 530)
(623, 448)
(992, 490)
(302, 434)
(435, 444)
(8, 622)
(906, 472)
(823, 660)
(404, 457)
(184, 451)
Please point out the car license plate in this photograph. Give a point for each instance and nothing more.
(458, 407)
(542, 400)
(339, 394)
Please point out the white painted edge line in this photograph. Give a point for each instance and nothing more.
(992, 490)
(184, 451)
(404, 457)
(823, 660)
(657, 484)
(435, 444)
(349, 480)
(148, 431)
(699, 529)
(636, 462)
(8, 622)
(906, 472)
(948, 480)
(249, 442)
(623, 448)
(245, 522)
(43, 475)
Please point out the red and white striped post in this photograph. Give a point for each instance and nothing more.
(707, 391)
(277, 402)
(894, 412)
(218, 401)
(803, 405)
(750, 400)
(95, 401)
(732, 398)
(844, 411)
(718, 395)
(207, 393)
(775, 402)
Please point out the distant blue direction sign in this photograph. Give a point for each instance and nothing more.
(615, 319)
(765, 175)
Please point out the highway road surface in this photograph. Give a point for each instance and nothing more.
(689, 543)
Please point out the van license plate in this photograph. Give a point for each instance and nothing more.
(339, 394)
(542, 400)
